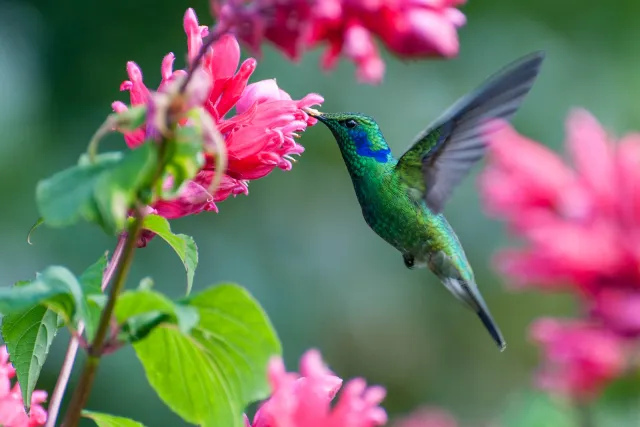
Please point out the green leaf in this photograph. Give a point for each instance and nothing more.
(144, 309)
(106, 420)
(28, 335)
(67, 196)
(183, 245)
(55, 287)
(116, 191)
(221, 366)
(91, 282)
(100, 192)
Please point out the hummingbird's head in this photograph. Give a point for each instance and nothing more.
(356, 134)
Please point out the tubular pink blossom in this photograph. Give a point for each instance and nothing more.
(305, 399)
(580, 225)
(409, 29)
(259, 137)
(579, 358)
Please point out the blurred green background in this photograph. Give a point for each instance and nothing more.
(298, 241)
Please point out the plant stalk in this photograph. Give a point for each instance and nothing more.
(72, 350)
(82, 391)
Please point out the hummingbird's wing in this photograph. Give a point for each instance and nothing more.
(442, 155)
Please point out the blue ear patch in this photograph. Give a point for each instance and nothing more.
(364, 147)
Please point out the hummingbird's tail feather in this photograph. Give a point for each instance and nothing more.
(492, 327)
(469, 294)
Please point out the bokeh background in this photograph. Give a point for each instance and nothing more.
(298, 241)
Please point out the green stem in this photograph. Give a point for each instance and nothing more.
(72, 350)
(82, 391)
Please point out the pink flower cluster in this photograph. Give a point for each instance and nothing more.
(581, 228)
(408, 28)
(259, 137)
(12, 413)
(305, 399)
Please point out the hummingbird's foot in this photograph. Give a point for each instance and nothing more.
(409, 261)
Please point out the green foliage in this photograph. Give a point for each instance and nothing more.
(184, 246)
(183, 155)
(56, 287)
(209, 376)
(28, 335)
(142, 310)
(29, 332)
(106, 420)
(100, 192)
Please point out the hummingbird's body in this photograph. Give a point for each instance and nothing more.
(402, 199)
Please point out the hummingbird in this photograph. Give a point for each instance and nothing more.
(402, 200)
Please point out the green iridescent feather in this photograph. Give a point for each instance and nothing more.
(402, 199)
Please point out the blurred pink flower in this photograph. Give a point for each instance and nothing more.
(408, 28)
(305, 400)
(427, 417)
(580, 225)
(259, 137)
(579, 359)
(12, 413)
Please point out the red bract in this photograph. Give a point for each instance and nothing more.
(408, 28)
(581, 231)
(305, 400)
(12, 413)
(259, 137)
(579, 359)
(581, 224)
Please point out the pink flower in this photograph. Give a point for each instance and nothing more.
(12, 413)
(580, 359)
(580, 225)
(427, 417)
(259, 137)
(408, 28)
(305, 400)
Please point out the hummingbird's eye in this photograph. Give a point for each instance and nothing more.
(350, 123)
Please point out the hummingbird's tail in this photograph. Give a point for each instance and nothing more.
(470, 295)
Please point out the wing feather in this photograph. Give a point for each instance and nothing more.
(443, 154)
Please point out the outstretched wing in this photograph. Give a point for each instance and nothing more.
(442, 155)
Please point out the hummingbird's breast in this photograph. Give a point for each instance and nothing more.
(407, 225)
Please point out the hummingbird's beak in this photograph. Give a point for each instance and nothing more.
(314, 113)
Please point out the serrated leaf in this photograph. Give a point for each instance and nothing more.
(222, 364)
(107, 420)
(183, 245)
(100, 192)
(28, 335)
(55, 287)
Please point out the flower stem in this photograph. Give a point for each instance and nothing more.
(82, 391)
(72, 350)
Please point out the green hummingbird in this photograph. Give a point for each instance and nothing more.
(402, 199)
